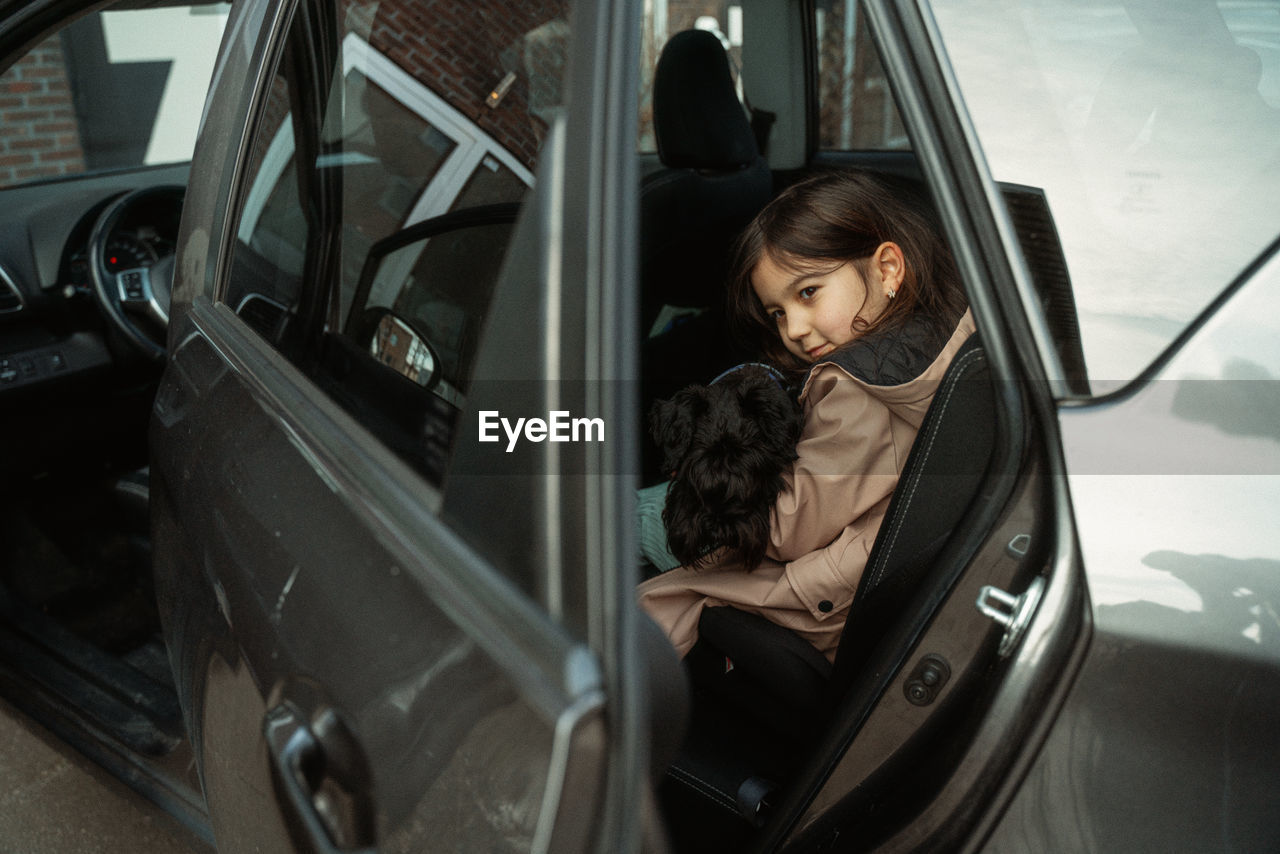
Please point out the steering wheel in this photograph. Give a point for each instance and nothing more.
(135, 299)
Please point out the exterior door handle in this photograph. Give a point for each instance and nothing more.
(322, 780)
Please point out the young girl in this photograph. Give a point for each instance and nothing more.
(847, 279)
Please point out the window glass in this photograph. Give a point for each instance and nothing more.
(390, 153)
(856, 111)
(271, 239)
(114, 90)
(490, 183)
(665, 19)
(1153, 129)
(382, 197)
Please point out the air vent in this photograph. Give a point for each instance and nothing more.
(10, 297)
(1029, 210)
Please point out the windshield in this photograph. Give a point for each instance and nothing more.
(113, 90)
(1153, 128)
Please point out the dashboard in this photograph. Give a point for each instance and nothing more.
(51, 325)
(140, 244)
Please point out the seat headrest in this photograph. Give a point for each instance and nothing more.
(698, 120)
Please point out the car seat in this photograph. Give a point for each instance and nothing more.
(761, 693)
(712, 184)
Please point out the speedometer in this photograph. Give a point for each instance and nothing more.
(125, 252)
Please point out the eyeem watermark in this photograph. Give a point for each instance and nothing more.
(558, 426)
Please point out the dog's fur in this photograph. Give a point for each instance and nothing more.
(725, 446)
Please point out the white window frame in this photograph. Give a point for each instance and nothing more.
(473, 145)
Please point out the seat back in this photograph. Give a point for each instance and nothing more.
(713, 183)
(940, 480)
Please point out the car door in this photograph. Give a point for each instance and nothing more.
(389, 631)
(1156, 131)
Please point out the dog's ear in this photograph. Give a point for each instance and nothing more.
(683, 518)
(672, 422)
(775, 414)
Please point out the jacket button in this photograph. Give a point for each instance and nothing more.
(825, 606)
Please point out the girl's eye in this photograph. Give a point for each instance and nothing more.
(809, 292)
(777, 314)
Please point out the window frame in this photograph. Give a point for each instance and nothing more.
(813, 90)
(472, 144)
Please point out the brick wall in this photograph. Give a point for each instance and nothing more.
(39, 136)
(462, 50)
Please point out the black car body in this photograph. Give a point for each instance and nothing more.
(390, 623)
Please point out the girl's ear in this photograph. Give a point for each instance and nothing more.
(890, 266)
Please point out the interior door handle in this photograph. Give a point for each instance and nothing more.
(322, 780)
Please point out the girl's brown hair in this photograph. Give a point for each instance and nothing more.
(836, 218)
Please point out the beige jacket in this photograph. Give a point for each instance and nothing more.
(851, 452)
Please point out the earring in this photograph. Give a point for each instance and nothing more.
(892, 293)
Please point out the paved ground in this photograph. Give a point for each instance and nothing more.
(54, 801)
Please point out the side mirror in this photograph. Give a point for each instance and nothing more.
(423, 293)
(395, 343)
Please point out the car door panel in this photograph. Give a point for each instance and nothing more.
(312, 574)
(356, 665)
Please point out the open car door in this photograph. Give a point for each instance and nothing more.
(388, 632)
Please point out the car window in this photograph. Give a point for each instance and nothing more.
(1153, 130)
(118, 89)
(271, 238)
(380, 200)
(856, 111)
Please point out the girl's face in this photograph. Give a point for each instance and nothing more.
(815, 311)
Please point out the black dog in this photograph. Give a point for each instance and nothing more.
(725, 446)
